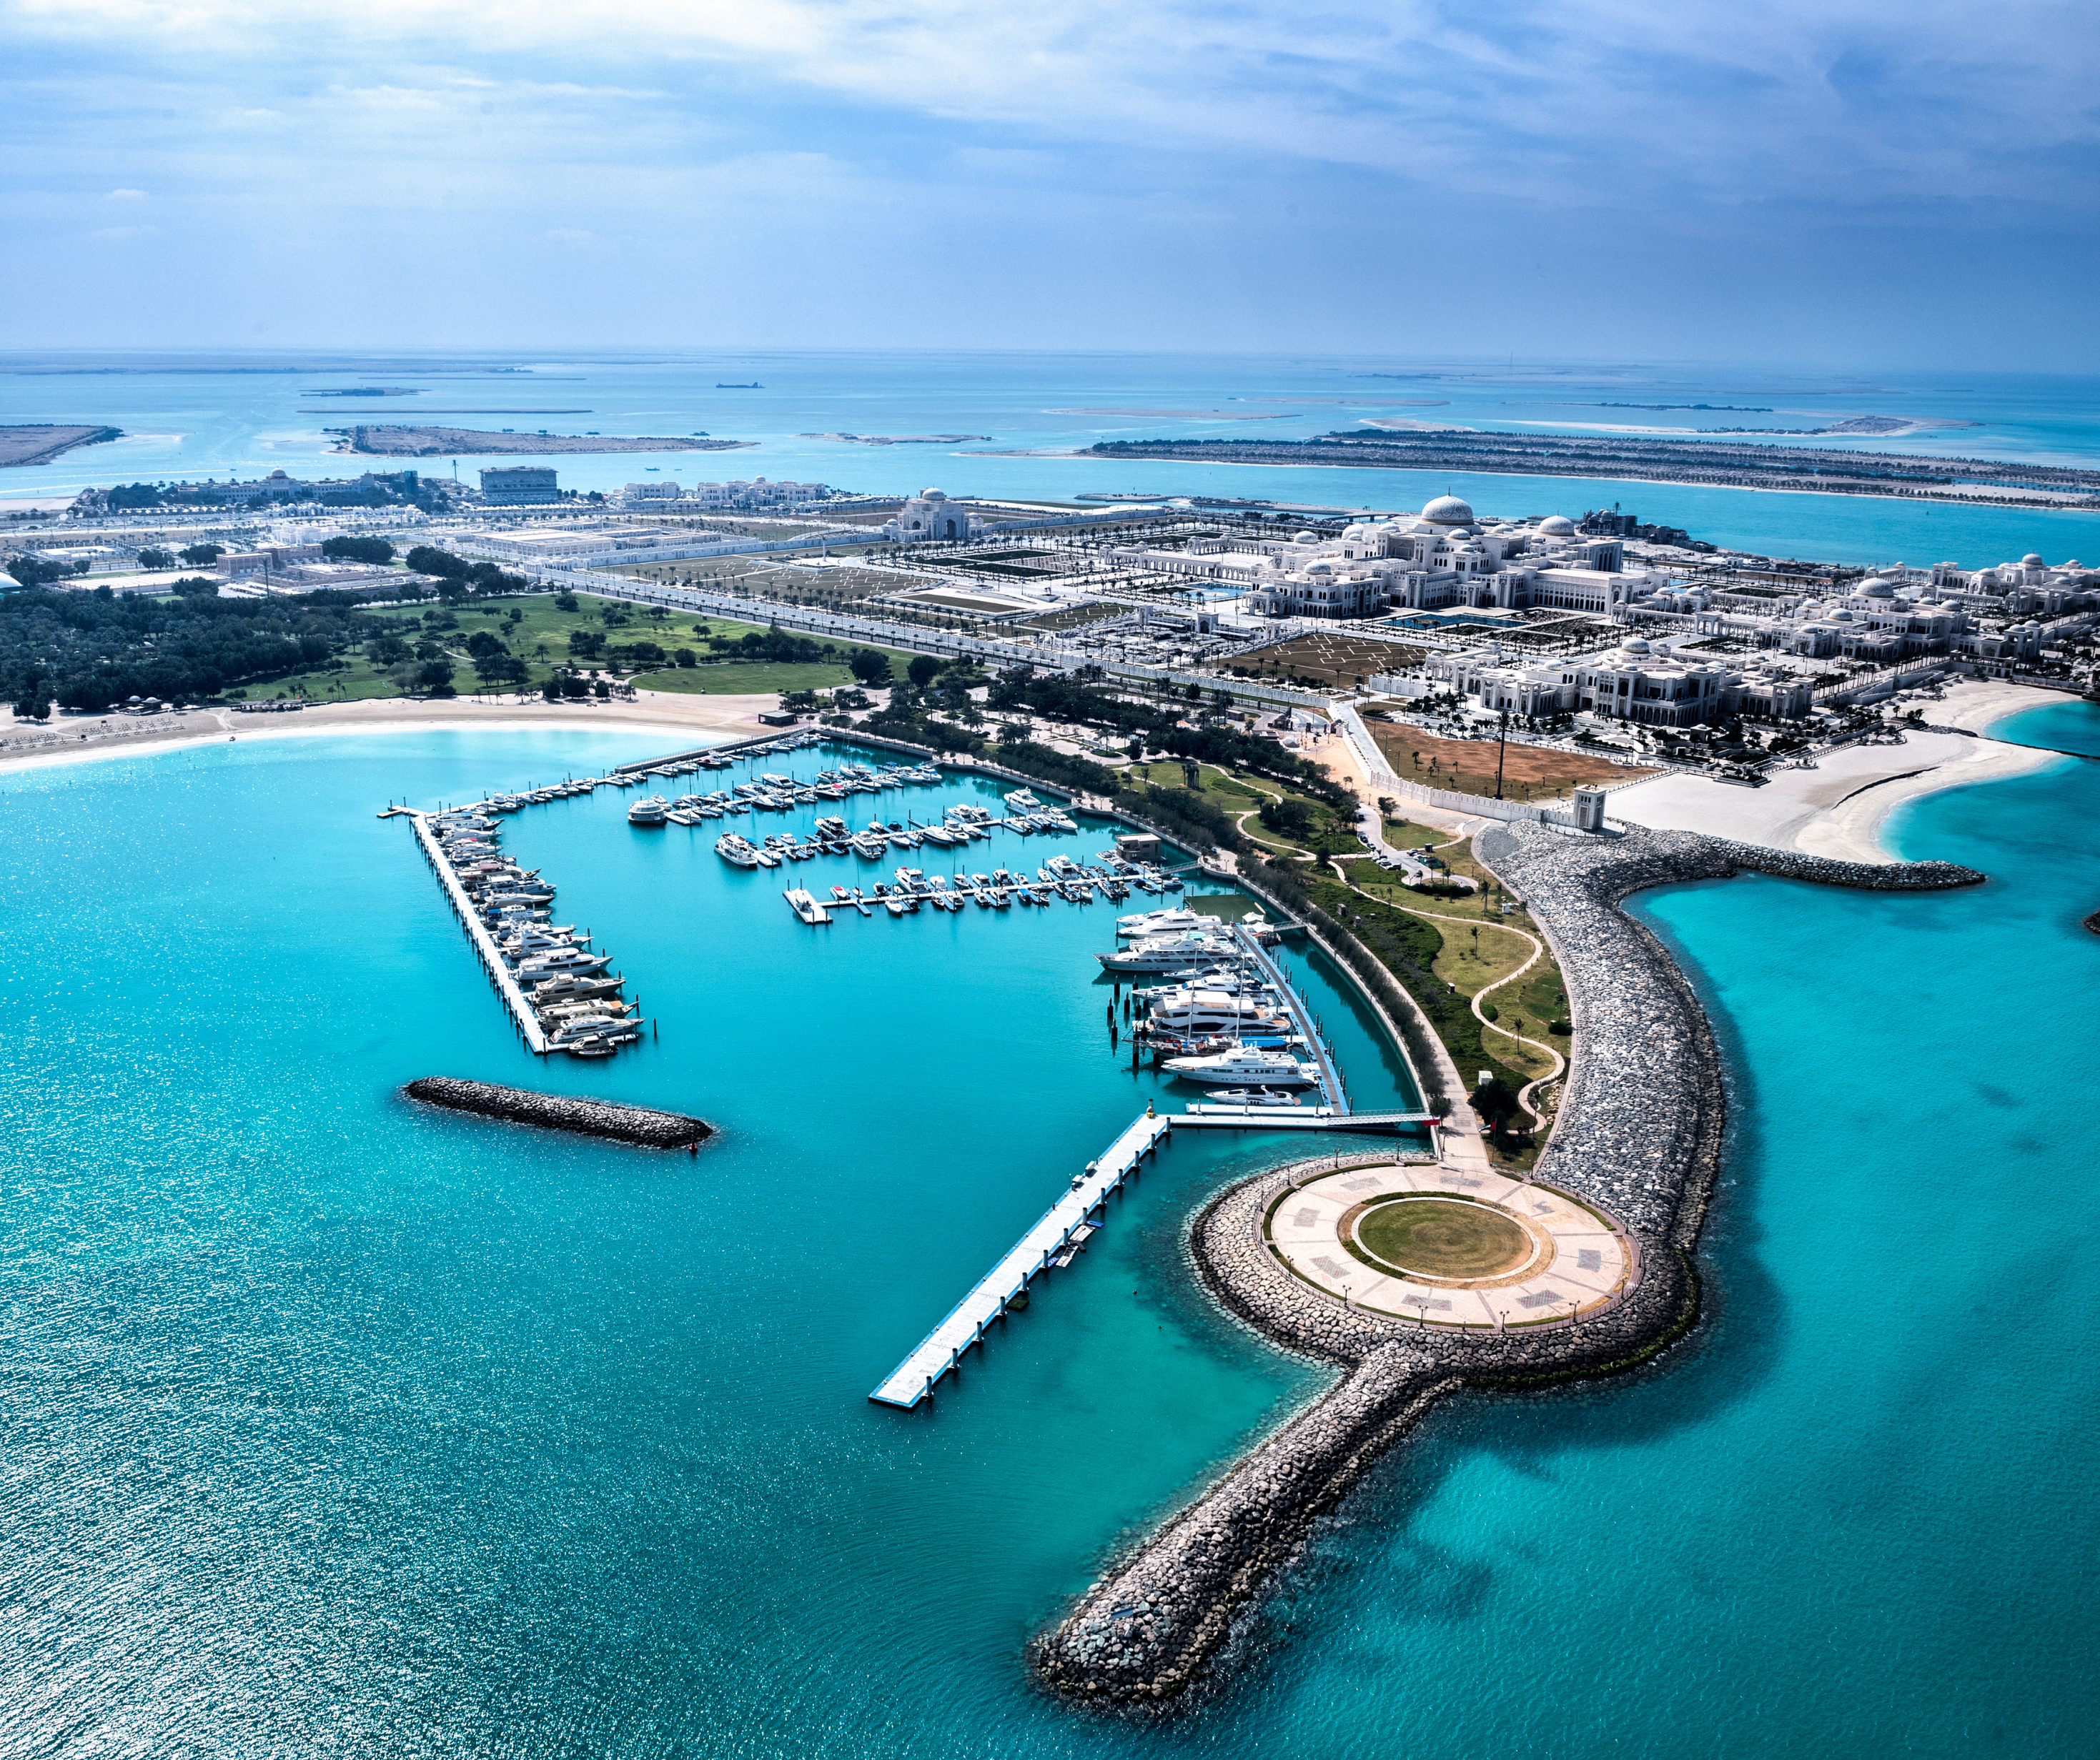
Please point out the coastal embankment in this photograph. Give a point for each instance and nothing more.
(1637, 1144)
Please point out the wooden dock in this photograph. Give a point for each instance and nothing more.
(912, 1380)
(484, 942)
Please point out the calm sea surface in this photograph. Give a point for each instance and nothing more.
(332, 1425)
(194, 424)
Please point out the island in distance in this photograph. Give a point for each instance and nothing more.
(391, 440)
(895, 439)
(40, 443)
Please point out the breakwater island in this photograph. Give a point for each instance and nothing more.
(642, 1125)
(394, 440)
(1418, 1282)
(39, 443)
(1727, 463)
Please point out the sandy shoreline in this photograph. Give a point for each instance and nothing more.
(702, 719)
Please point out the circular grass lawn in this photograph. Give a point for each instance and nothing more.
(1442, 1238)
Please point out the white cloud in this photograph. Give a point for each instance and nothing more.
(1647, 99)
(125, 195)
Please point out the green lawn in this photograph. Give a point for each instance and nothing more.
(541, 638)
(1443, 1237)
(744, 679)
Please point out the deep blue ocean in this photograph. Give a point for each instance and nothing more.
(329, 1425)
(198, 416)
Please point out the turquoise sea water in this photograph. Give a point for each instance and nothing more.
(329, 1425)
(1033, 408)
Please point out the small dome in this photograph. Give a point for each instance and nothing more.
(2032, 561)
(1321, 568)
(934, 495)
(1305, 537)
(1449, 510)
(1843, 617)
(1556, 525)
(1635, 645)
(1874, 587)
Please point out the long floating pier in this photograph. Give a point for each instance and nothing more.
(1298, 1118)
(1309, 1029)
(484, 942)
(912, 1380)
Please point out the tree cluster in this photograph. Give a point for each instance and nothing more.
(85, 650)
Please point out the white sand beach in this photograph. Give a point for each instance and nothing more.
(1837, 809)
(28, 745)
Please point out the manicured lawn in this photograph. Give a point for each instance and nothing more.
(1441, 1237)
(743, 679)
(541, 638)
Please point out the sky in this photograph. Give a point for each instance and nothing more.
(1864, 181)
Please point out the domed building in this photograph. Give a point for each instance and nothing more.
(930, 515)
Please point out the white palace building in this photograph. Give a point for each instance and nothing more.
(1442, 559)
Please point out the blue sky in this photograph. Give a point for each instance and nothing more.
(1849, 181)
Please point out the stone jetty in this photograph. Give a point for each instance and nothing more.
(592, 1118)
(1639, 1135)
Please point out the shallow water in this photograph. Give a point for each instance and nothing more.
(198, 425)
(333, 1423)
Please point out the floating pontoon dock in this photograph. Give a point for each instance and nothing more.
(1309, 1029)
(913, 1379)
(1299, 1118)
(484, 942)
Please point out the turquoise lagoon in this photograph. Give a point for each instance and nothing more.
(331, 1424)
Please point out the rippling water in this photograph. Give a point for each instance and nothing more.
(333, 1425)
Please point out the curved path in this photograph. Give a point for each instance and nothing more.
(1637, 1144)
(1537, 952)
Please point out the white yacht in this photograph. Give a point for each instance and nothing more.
(1253, 1096)
(1209, 1011)
(1178, 920)
(736, 850)
(651, 810)
(1268, 1069)
(562, 962)
(1021, 801)
(1168, 953)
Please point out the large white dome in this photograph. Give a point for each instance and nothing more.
(1449, 510)
(1556, 525)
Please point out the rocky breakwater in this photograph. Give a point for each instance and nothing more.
(591, 1118)
(1638, 1136)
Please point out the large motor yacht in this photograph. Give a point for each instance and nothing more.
(651, 810)
(1168, 953)
(1272, 1069)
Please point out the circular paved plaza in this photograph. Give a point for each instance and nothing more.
(1447, 1246)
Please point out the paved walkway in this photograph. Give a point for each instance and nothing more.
(1579, 1262)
